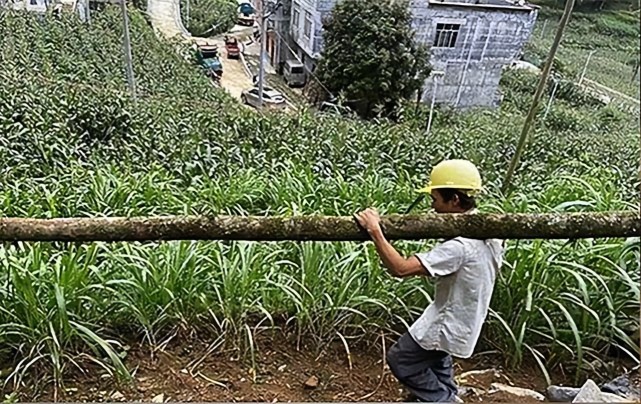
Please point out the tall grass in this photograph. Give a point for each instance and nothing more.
(556, 301)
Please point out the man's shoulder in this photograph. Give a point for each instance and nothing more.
(473, 247)
(452, 249)
(461, 243)
(453, 244)
(476, 241)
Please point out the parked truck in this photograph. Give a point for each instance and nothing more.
(207, 57)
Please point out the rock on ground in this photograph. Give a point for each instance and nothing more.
(590, 393)
(517, 391)
(613, 398)
(312, 382)
(626, 385)
(160, 398)
(562, 394)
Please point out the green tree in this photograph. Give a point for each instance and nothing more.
(370, 56)
(209, 17)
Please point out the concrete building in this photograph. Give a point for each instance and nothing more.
(306, 28)
(37, 6)
(471, 42)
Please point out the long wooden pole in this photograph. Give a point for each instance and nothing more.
(323, 228)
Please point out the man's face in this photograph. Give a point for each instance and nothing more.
(441, 206)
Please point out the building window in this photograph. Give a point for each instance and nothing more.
(296, 17)
(446, 35)
(308, 24)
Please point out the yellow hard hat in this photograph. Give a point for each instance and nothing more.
(456, 174)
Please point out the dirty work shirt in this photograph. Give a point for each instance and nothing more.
(464, 271)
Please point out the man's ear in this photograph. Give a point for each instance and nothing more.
(456, 201)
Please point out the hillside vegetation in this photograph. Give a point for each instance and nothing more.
(208, 17)
(74, 144)
(613, 35)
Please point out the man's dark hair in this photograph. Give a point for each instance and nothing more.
(467, 202)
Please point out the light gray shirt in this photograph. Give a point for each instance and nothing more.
(464, 271)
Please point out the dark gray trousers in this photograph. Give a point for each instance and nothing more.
(428, 375)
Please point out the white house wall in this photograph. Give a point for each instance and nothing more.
(307, 8)
(487, 41)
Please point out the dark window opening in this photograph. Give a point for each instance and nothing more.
(446, 35)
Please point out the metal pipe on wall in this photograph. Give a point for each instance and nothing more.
(467, 64)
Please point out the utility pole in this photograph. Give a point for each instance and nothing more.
(585, 67)
(436, 75)
(557, 81)
(545, 23)
(87, 12)
(127, 45)
(261, 69)
(187, 14)
(264, 15)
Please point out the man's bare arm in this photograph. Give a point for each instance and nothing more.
(393, 261)
(397, 265)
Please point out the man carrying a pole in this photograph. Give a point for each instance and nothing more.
(464, 271)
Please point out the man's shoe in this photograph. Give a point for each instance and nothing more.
(411, 398)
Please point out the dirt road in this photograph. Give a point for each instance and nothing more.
(235, 79)
(165, 17)
(166, 20)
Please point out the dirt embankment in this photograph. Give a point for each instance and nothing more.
(280, 372)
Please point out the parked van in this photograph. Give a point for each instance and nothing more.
(294, 73)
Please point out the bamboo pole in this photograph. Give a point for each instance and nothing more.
(545, 74)
(323, 228)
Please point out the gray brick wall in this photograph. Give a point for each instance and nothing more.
(487, 41)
